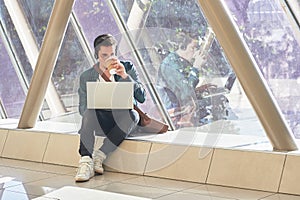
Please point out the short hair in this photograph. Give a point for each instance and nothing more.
(184, 39)
(103, 40)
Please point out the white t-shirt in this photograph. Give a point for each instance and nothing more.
(111, 78)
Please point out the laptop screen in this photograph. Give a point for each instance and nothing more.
(109, 95)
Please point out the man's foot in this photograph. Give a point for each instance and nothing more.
(98, 158)
(85, 170)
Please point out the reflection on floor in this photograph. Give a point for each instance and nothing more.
(22, 180)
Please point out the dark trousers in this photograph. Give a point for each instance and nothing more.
(115, 125)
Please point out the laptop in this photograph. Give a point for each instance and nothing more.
(109, 95)
(221, 90)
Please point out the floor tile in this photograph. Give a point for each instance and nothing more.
(161, 183)
(135, 190)
(115, 177)
(190, 196)
(227, 192)
(31, 189)
(36, 187)
(8, 195)
(44, 186)
(35, 166)
(13, 176)
(282, 197)
(75, 193)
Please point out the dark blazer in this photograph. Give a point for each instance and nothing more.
(91, 75)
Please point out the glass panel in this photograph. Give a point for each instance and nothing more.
(187, 65)
(70, 59)
(89, 12)
(276, 50)
(70, 63)
(95, 18)
(15, 43)
(12, 94)
(38, 14)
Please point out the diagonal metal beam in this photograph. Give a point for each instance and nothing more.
(46, 62)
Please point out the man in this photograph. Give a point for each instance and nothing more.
(179, 92)
(115, 125)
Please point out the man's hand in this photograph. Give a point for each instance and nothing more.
(204, 87)
(120, 69)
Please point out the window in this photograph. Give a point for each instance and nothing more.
(270, 37)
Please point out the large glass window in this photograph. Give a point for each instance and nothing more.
(176, 53)
(185, 62)
(270, 37)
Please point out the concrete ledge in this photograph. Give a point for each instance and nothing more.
(291, 175)
(179, 162)
(246, 169)
(25, 145)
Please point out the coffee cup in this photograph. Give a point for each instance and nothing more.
(109, 66)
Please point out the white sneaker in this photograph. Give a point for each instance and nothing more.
(85, 170)
(98, 158)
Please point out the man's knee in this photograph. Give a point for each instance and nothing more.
(134, 116)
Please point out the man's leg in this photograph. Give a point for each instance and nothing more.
(89, 125)
(87, 139)
(117, 125)
(125, 122)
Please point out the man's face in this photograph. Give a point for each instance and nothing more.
(192, 48)
(105, 52)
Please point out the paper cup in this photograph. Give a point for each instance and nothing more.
(109, 66)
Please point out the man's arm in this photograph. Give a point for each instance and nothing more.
(82, 95)
(139, 90)
(176, 81)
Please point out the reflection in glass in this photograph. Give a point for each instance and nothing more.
(270, 37)
(183, 59)
(70, 63)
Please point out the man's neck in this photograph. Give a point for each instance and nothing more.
(101, 67)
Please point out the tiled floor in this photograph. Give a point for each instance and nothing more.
(22, 180)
